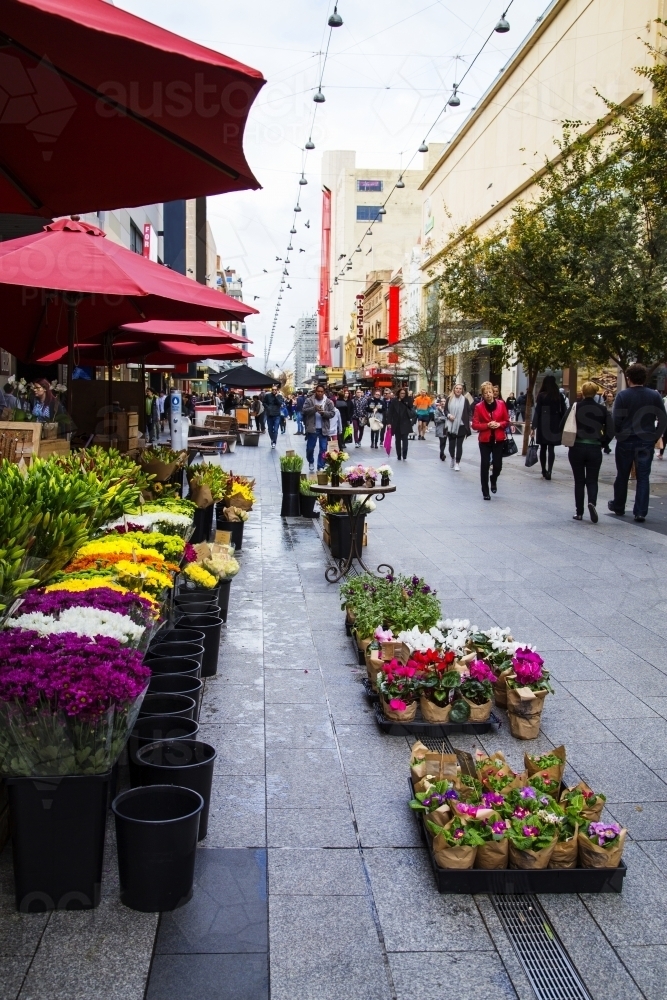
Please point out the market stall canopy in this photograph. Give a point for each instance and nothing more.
(70, 265)
(190, 330)
(244, 377)
(130, 350)
(100, 108)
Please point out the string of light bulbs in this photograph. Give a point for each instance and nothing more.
(502, 27)
(334, 21)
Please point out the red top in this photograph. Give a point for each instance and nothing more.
(481, 418)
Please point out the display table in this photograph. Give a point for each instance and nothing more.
(348, 494)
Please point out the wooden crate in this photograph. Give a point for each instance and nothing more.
(19, 440)
(54, 446)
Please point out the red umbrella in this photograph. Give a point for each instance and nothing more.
(194, 330)
(71, 267)
(126, 350)
(100, 108)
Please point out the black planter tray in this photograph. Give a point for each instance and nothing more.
(511, 881)
(368, 690)
(420, 728)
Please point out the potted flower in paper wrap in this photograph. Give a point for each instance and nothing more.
(593, 802)
(476, 693)
(439, 683)
(455, 845)
(527, 687)
(601, 845)
(532, 835)
(396, 684)
(67, 702)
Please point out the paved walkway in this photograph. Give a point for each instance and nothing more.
(310, 799)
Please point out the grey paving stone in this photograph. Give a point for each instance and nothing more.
(643, 820)
(382, 814)
(566, 720)
(434, 974)
(228, 913)
(635, 916)
(343, 959)
(239, 748)
(300, 775)
(596, 961)
(617, 772)
(647, 966)
(238, 703)
(403, 883)
(209, 977)
(608, 700)
(657, 852)
(571, 665)
(237, 812)
(647, 738)
(294, 687)
(12, 973)
(316, 872)
(319, 826)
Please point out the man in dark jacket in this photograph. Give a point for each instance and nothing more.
(318, 411)
(639, 420)
(273, 401)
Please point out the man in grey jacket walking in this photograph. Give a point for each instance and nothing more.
(317, 412)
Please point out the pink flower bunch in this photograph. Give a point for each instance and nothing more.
(395, 669)
(189, 553)
(492, 800)
(123, 529)
(521, 812)
(383, 635)
(499, 828)
(76, 674)
(480, 671)
(465, 809)
(527, 667)
(397, 705)
(531, 831)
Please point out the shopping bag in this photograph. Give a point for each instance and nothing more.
(531, 454)
(347, 436)
(387, 441)
(509, 445)
(570, 428)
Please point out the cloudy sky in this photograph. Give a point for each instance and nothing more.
(388, 73)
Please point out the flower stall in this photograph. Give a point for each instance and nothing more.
(92, 550)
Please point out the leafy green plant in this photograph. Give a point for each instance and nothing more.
(291, 463)
(305, 488)
(209, 475)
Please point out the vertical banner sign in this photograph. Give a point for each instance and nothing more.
(394, 321)
(360, 326)
(323, 339)
(150, 242)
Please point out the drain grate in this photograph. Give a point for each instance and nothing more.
(439, 744)
(544, 959)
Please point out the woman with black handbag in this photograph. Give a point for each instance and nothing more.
(550, 407)
(490, 418)
(401, 418)
(594, 431)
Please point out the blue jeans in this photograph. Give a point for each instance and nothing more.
(299, 422)
(633, 449)
(311, 440)
(273, 425)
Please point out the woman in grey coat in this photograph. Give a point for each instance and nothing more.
(452, 424)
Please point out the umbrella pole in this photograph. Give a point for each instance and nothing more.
(71, 337)
(110, 386)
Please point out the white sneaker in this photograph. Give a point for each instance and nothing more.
(457, 467)
(451, 463)
(311, 467)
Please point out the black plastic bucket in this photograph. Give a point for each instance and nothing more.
(179, 634)
(188, 763)
(58, 829)
(290, 483)
(156, 834)
(175, 665)
(152, 728)
(178, 684)
(236, 530)
(290, 506)
(200, 596)
(307, 505)
(198, 608)
(176, 651)
(224, 588)
(203, 524)
(179, 706)
(211, 629)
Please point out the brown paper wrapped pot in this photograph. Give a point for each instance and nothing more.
(432, 712)
(492, 855)
(591, 855)
(531, 860)
(554, 772)
(479, 713)
(592, 813)
(566, 852)
(525, 716)
(406, 716)
(453, 857)
(500, 689)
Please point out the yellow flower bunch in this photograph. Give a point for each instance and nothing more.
(114, 546)
(199, 575)
(90, 583)
(241, 490)
(140, 579)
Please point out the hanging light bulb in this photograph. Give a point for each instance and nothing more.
(454, 100)
(293, 231)
(310, 144)
(290, 247)
(369, 232)
(503, 25)
(335, 21)
(319, 97)
(302, 180)
(297, 208)
(382, 210)
(358, 250)
(400, 183)
(423, 148)
(335, 281)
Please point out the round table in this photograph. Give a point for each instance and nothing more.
(348, 494)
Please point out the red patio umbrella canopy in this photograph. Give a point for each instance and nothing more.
(100, 108)
(174, 330)
(128, 350)
(39, 274)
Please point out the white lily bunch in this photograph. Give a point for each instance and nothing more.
(82, 621)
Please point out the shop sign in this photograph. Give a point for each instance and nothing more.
(360, 326)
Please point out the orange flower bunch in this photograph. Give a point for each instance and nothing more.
(82, 563)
